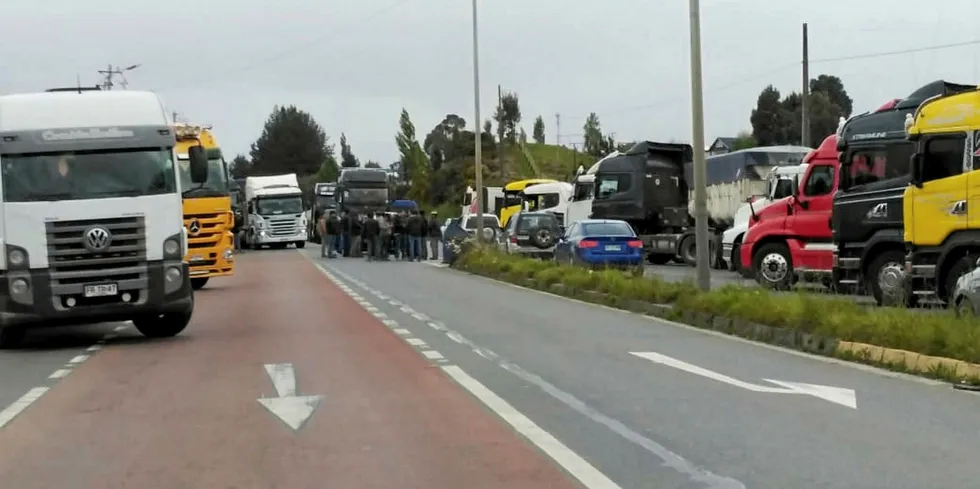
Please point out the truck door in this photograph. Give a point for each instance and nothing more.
(809, 222)
(939, 207)
(970, 164)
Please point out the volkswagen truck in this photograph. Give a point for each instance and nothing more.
(208, 216)
(90, 213)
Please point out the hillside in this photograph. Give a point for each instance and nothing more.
(552, 161)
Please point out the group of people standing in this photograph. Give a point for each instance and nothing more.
(409, 236)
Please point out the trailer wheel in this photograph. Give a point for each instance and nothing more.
(657, 259)
(773, 266)
(689, 250)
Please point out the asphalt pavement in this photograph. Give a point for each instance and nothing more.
(653, 404)
(281, 381)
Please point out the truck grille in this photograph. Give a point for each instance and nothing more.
(210, 229)
(280, 227)
(75, 260)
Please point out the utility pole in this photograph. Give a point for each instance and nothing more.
(697, 118)
(557, 129)
(805, 126)
(109, 73)
(478, 151)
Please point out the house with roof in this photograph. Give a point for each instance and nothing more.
(721, 146)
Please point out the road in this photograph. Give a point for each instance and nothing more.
(433, 378)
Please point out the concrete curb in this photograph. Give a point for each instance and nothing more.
(900, 360)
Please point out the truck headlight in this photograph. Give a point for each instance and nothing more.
(171, 247)
(228, 254)
(16, 257)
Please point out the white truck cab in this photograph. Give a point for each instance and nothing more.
(583, 191)
(275, 215)
(91, 218)
(782, 182)
(548, 197)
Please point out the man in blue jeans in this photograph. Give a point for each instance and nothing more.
(415, 230)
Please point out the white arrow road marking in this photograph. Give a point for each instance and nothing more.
(292, 409)
(836, 395)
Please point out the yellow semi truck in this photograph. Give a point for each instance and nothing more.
(207, 208)
(942, 203)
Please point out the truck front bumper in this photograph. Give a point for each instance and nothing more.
(37, 306)
(263, 238)
(213, 262)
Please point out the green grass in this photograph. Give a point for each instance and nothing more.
(553, 161)
(939, 334)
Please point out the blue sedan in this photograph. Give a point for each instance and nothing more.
(600, 242)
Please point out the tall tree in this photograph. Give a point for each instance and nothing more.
(833, 87)
(487, 130)
(508, 117)
(347, 158)
(769, 118)
(538, 130)
(593, 142)
(291, 142)
(240, 166)
(372, 164)
(414, 163)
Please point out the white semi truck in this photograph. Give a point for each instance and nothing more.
(274, 212)
(91, 217)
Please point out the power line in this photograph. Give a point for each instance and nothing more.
(780, 68)
(291, 51)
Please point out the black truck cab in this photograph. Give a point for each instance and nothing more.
(866, 222)
(645, 186)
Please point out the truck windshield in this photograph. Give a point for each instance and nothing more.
(512, 197)
(542, 201)
(287, 204)
(217, 184)
(88, 174)
(782, 187)
(366, 196)
(325, 202)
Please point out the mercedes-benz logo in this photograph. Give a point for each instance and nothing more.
(97, 238)
(194, 227)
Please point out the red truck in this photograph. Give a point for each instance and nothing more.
(791, 238)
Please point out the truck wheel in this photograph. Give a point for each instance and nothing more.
(886, 278)
(301, 244)
(773, 266)
(960, 268)
(199, 282)
(656, 259)
(163, 325)
(689, 250)
(12, 337)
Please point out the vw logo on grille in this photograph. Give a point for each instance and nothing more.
(194, 227)
(97, 238)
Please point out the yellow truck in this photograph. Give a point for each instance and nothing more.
(942, 203)
(207, 208)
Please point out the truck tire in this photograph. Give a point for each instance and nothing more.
(300, 244)
(962, 266)
(12, 337)
(658, 259)
(773, 266)
(164, 325)
(199, 282)
(688, 250)
(885, 278)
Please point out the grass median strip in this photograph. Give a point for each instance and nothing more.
(938, 345)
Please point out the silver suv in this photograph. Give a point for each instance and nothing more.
(532, 234)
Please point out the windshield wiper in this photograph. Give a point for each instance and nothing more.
(118, 193)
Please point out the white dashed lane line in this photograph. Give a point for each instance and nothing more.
(33, 395)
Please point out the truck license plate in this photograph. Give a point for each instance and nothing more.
(101, 290)
(614, 248)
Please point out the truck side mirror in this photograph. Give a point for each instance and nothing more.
(916, 169)
(198, 164)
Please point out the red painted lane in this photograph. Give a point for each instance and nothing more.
(183, 413)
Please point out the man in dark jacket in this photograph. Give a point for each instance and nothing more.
(356, 229)
(398, 233)
(334, 230)
(371, 233)
(434, 236)
(415, 228)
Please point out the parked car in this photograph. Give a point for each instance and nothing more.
(531, 234)
(600, 242)
(966, 296)
(491, 226)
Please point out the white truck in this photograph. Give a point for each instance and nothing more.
(549, 197)
(583, 190)
(274, 212)
(91, 214)
(781, 182)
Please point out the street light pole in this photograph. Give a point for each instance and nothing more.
(478, 129)
(697, 119)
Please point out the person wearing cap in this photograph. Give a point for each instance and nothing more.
(434, 233)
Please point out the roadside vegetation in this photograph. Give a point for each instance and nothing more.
(803, 317)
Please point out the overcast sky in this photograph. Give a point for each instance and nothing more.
(354, 65)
